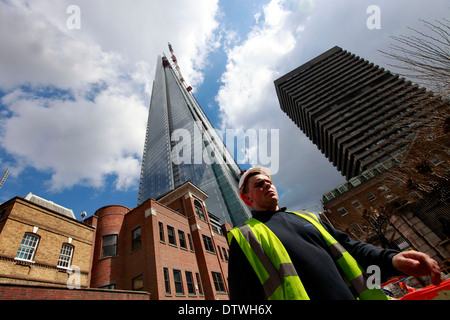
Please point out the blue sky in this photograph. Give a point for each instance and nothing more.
(74, 102)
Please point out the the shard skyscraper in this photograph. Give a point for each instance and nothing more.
(181, 145)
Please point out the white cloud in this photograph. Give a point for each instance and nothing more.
(78, 141)
(251, 68)
(288, 34)
(35, 51)
(95, 127)
(247, 99)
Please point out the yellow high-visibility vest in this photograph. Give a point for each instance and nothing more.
(275, 270)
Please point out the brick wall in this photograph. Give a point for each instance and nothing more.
(53, 231)
(25, 292)
(107, 270)
(42, 278)
(154, 255)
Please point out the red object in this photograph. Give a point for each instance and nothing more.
(390, 281)
(440, 292)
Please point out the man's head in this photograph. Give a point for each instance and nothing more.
(257, 191)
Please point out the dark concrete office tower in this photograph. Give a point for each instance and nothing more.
(358, 114)
(181, 145)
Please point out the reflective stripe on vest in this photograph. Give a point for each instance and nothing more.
(275, 270)
(354, 273)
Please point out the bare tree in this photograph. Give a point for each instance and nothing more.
(424, 57)
(431, 134)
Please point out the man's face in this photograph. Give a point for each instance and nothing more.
(262, 194)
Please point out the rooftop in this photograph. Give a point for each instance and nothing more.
(50, 205)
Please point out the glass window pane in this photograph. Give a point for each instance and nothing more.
(27, 247)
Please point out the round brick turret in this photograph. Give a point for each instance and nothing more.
(107, 254)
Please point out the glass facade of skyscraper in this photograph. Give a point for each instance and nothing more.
(181, 145)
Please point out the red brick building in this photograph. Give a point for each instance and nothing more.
(170, 247)
(404, 199)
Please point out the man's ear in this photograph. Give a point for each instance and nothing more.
(247, 199)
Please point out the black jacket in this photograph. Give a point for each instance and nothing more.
(311, 257)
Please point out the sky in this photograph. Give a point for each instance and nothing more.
(76, 80)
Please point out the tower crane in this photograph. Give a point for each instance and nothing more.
(177, 68)
(188, 88)
(5, 175)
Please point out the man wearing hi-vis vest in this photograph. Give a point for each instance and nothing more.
(284, 255)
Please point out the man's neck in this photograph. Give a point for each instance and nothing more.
(271, 209)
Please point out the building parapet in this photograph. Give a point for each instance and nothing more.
(365, 176)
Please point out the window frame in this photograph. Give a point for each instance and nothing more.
(26, 247)
(63, 256)
(356, 203)
(199, 210)
(104, 255)
(178, 283)
(209, 245)
(162, 237)
(140, 278)
(190, 283)
(173, 237)
(225, 254)
(342, 211)
(191, 245)
(218, 282)
(369, 195)
(199, 284)
(182, 239)
(136, 243)
(166, 276)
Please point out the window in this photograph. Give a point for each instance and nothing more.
(178, 282)
(171, 235)
(218, 282)
(199, 284)
(111, 286)
(356, 203)
(355, 182)
(220, 252)
(190, 242)
(167, 281)
(27, 247)
(436, 161)
(356, 230)
(65, 257)
(225, 254)
(190, 282)
(342, 188)
(109, 245)
(370, 196)
(216, 229)
(136, 241)
(342, 211)
(182, 239)
(199, 210)
(138, 283)
(415, 196)
(161, 232)
(208, 243)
